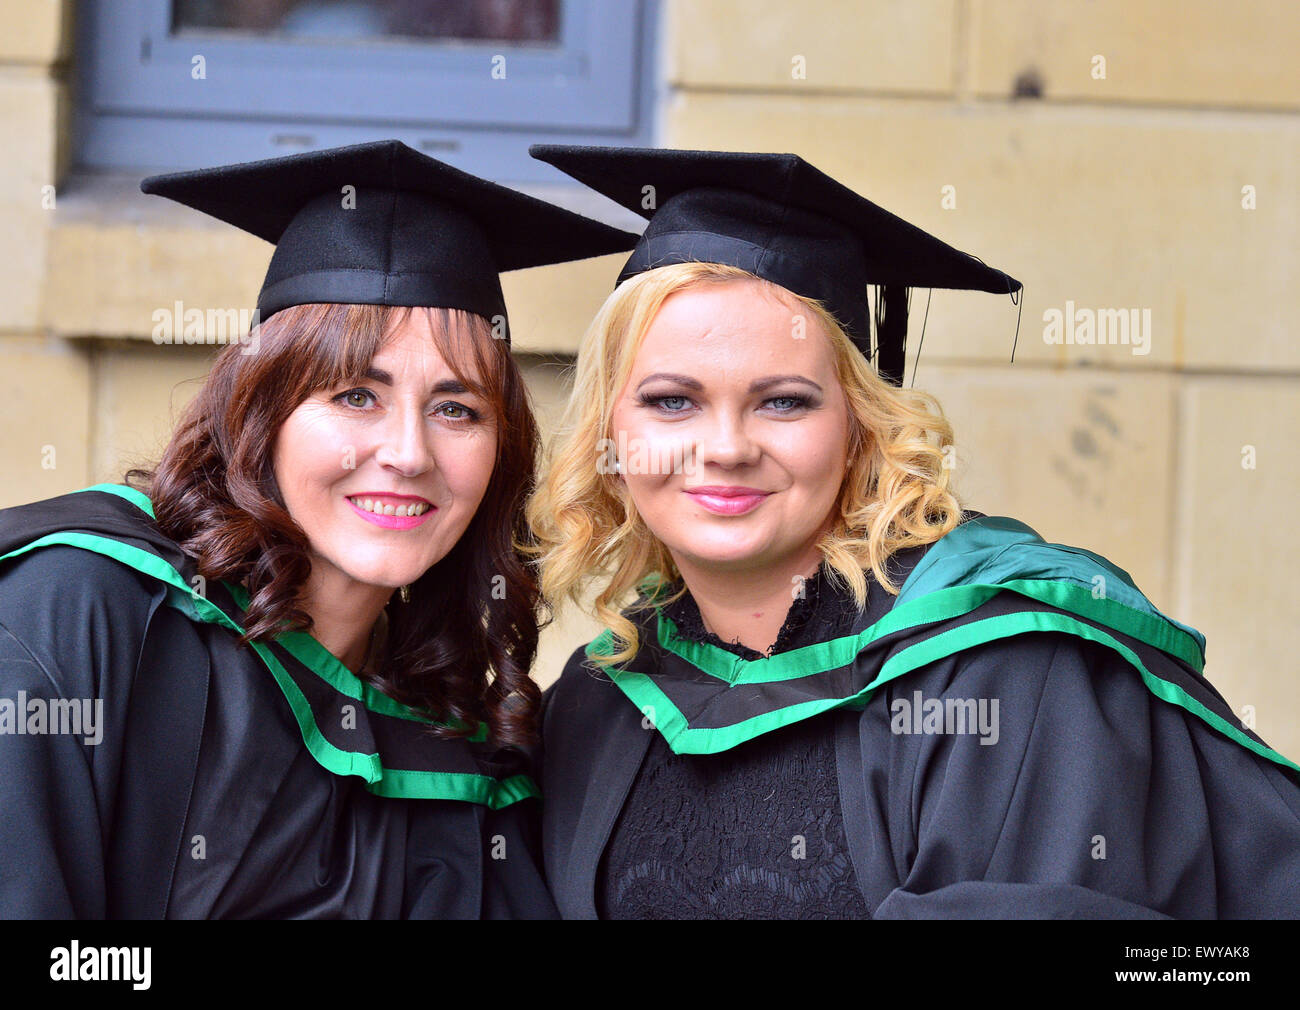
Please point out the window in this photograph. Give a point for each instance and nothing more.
(170, 82)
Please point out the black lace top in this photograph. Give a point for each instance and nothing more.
(755, 832)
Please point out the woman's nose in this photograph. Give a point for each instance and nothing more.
(404, 443)
(725, 439)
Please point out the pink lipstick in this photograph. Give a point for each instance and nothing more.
(727, 501)
(379, 501)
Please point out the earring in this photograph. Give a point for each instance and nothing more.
(406, 594)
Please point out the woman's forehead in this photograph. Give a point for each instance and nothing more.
(412, 347)
(733, 327)
(741, 297)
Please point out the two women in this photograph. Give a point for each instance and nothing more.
(836, 694)
(304, 638)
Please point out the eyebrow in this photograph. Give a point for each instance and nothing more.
(757, 386)
(444, 386)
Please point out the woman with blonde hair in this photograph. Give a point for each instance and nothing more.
(835, 693)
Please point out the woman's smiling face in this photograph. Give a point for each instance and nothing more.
(743, 387)
(354, 462)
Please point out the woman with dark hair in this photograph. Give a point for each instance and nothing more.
(284, 673)
(827, 690)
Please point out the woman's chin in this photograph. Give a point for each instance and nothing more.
(734, 555)
(386, 580)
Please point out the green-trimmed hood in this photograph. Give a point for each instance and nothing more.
(347, 726)
(989, 578)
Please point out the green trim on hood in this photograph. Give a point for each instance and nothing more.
(138, 498)
(311, 654)
(959, 573)
(642, 690)
(940, 605)
(389, 782)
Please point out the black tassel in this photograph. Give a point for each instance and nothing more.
(891, 332)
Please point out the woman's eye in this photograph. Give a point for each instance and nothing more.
(668, 404)
(460, 412)
(355, 398)
(786, 404)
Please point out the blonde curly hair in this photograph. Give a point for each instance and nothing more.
(894, 494)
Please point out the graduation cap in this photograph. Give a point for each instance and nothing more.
(383, 224)
(779, 218)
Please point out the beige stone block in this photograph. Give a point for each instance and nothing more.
(1084, 457)
(1120, 210)
(28, 116)
(571, 628)
(140, 391)
(816, 45)
(550, 307)
(550, 380)
(36, 31)
(44, 442)
(1189, 52)
(108, 278)
(1239, 475)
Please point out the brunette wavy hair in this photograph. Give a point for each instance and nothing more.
(588, 534)
(457, 650)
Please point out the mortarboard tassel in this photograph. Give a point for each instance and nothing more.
(891, 332)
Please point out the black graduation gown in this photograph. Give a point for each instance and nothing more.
(219, 781)
(1118, 783)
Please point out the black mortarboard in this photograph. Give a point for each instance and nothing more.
(411, 230)
(783, 220)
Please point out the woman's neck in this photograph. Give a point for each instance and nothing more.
(343, 613)
(748, 607)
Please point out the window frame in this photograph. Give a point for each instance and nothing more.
(139, 104)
